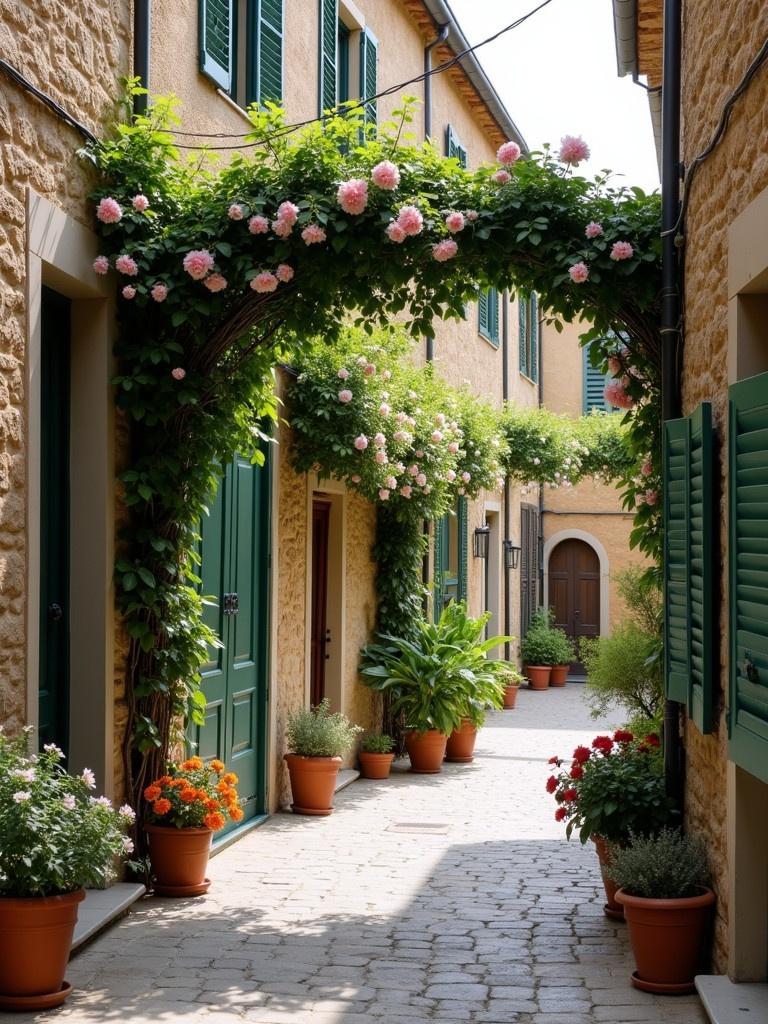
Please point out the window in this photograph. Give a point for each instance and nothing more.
(453, 147)
(451, 565)
(528, 333)
(593, 389)
(241, 48)
(488, 315)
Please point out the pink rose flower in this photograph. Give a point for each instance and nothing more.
(573, 149)
(140, 203)
(257, 224)
(345, 396)
(385, 409)
(126, 265)
(235, 212)
(501, 177)
(383, 494)
(391, 482)
(198, 263)
(264, 282)
(395, 233)
(466, 477)
(386, 175)
(453, 447)
(109, 211)
(282, 228)
(159, 292)
(101, 265)
(178, 373)
(361, 361)
(399, 435)
(386, 374)
(421, 479)
(352, 195)
(651, 497)
(381, 458)
(379, 440)
(579, 273)
(413, 470)
(312, 234)
(284, 273)
(370, 370)
(440, 419)
(288, 212)
(593, 229)
(471, 215)
(406, 490)
(215, 283)
(454, 221)
(361, 442)
(444, 250)
(437, 436)
(647, 468)
(129, 292)
(508, 153)
(401, 417)
(614, 365)
(343, 373)
(621, 251)
(410, 220)
(355, 479)
(616, 395)
(450, 476)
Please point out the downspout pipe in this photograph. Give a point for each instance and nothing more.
(142, 39)
(507, 484)
(540, 552)
(442, 35)
(671, 331)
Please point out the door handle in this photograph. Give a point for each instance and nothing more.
(55, 612)
(327, 636)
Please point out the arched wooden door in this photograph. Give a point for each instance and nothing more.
(574, 591)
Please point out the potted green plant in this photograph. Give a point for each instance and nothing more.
(663, 882)
(539, 651)
(609, 791)
(484, 686)
(376, 755)
(565, 655)
(511, 680)
(57, 838)
(316, 740)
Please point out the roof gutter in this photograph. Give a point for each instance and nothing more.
(625, 34)
(458, 42)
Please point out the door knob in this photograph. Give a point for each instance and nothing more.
(55, 612)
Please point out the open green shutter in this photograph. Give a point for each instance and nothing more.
(701, 564)
(369, 48)
(216, 26)
(483, 311)
(439, 568)
(453, 148)
(748, 574)
(269, 52)
(533, 337)
(522, 329)
(329, 30)
(463, 539)
(677, 612)
(594, 381)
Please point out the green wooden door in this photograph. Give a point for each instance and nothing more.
(234, 572)
(54, 521)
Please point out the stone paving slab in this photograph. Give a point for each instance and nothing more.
(341, 921)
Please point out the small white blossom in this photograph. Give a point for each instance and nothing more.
(88, 778)
(127, 812)
(22, 796)
(127, 844)
(51, 748)
(25, 774)
(69, 802)
(101, 801)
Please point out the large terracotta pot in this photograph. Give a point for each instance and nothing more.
(313, 783)
(179, 858)
(559, 675)
(35, 940)
(667, 938)
(426, 750)
(510, 696)
(611, 909)
(375, 766)
(538, 676)
(460, 747)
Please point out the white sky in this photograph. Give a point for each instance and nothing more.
(556, 75)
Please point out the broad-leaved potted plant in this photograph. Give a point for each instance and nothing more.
(376, 755)
(56, 838)
(316, 740)
(565, 654)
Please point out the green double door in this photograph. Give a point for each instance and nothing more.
(234, 571)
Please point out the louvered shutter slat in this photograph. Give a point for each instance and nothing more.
(270, 51)
(329, 20)
(700, 545)
(369, 74)
(522, 329)
(215, 30)
(482, 309)
(463, 542)
(533, 337)
(676, 564)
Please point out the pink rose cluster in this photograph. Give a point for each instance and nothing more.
(444, 250)
(109, 210)
(352, 196)
(198, 263)
(573, 150)
(616, 394)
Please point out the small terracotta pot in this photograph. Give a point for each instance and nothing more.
(426, 750)
(375, 766)
(667, 938)
(313, 783)
(559, 675)
(460, 747)
(538, 676)
(510, 696)
(35, 940)
(611, 909)
(179, 858)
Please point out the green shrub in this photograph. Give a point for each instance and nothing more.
(315, 732)
(377, 743)
(666, 866)
(624, 668)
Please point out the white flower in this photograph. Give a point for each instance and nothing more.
(51, 748)
(101, 801)
(22, 796)
(127, 843)
(127, 812)
(69, 802)
(88, 778)
(25, 774)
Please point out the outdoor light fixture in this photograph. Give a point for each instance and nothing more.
(480, 541)
(511, 554)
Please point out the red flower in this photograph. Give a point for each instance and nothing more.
(551, 784)
(652, 740)
(623, 736)
(570, 795)
(603, 743)
(560, 813)
(581, 754)
(643, 748)
(554, 760)
(577, 772)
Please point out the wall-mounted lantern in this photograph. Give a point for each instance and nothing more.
(511, 554)
(480, 541)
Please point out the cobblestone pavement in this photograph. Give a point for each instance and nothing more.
(493, 917)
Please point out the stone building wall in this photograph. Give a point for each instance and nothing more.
(718, 47)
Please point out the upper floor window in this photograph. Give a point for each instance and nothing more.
(453, 147)
(528, 334)
(594, 381)
(488, 315)
(241, 48)
(337, 43)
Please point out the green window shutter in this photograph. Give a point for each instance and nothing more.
(677, 613)
(266, 51)
(522, 327)
(439, 567)
(594, 381)
(342, 62)
(453, 148)
(702, 582)
(483, 310)
(748, 574)
(463, 514)
(369, 48)
(216, 28)
(533, 337)
(329, 29)
(492, 301)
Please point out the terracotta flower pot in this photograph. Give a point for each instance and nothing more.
(313, 783)
(460, 747)
(611, 909)
(35, 940)
(375, 766)
(510, 696)
(667, 938)
(559, 675)
(179, 858)
(538, 676)
(426, 750)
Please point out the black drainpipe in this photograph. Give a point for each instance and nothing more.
(142, 24)
(540, 552)
(671, 333)
(507, 485)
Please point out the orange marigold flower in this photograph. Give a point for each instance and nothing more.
(188, 796)
(152, 793)
(214, 821)
(201, 794)
(161, 806)
(179, 782)
(217, 766)
(191, 764)
(212, 805)
(236, 813)
(165, 780)
(231, 778)
(222, 787)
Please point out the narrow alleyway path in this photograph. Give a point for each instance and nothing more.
(491, 916)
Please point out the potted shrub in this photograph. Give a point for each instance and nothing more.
(57, 838)
(484, 688)
(609, 792)
(539, 651)
(376, 755)
(184, 809)
(663, 883)
(511, 681)
(316, 740)
(565, 654)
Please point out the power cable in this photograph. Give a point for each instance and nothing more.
(47, 100)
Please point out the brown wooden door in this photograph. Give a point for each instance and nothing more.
(321, 517)
(574, 591)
